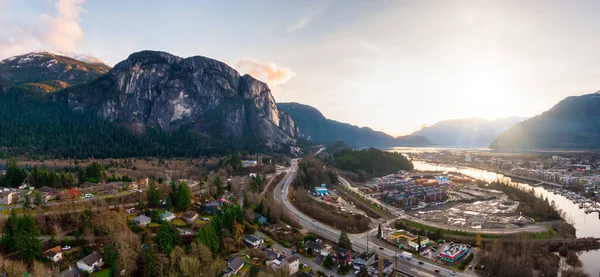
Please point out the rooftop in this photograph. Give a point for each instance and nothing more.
(92, 258)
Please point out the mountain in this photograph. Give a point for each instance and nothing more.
(160, 90)
(470, 132)
(573, 123)
(314, 126)
(50, 71)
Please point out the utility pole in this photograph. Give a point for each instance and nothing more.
(396, 257)
(367, 242)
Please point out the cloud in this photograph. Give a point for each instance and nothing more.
(65, 32)
(270, 73)
(298, 25)
(61, 32)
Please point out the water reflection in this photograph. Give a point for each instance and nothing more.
(587, 225)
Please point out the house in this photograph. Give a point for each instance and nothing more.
(316, 247)
(270, 256)
(48, 193)
(167, 216)
(210, 207)
(343, 255)
(233, 266)
(249, 163)
(190, 216)
(54, 254)
(91, 262)
(142, 220)
(388, 268)
(7, 197)
(364, 260)
(292, 264)
(71, 271)
(253, 241)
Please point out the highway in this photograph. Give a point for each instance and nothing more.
(359, 241)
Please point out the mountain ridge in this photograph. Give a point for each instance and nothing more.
(572, 123)
(314, 126)
(467, 132)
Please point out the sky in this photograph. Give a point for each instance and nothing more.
(390, 65)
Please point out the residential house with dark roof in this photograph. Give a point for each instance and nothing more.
(190, 216)
(253, 241)
(91, 262)
(234, 265)
(270, 256)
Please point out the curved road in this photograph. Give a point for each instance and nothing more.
(359, 241)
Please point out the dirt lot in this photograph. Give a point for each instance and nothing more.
(490, 214)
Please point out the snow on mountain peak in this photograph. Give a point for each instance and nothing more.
(79, 57)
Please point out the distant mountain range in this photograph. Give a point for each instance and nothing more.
(573, 123)
(469, 132)
(314, 126)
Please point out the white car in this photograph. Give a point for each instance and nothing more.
(66, 248)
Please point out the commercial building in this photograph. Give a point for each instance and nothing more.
(454, 253)
(406, 238)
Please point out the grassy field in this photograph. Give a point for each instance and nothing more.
(101, 273)
(153, 224)
(178, 222)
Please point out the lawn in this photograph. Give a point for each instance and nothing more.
(7, 211)
(245, 268)
(200, 222)
(130, 217)
(101, 273)
(153, 224)
(178, 222)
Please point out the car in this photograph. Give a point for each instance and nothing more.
(470, 267)
(313, 220)
(380, 248)
(205, 219)
(420, 262)
(67, 247)
(437, 271)
(453, 272)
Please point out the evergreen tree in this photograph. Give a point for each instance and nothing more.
(111, 257)
(208, 236)
(28, 243)
(268, 215)
(9, 236)
(344, 241)
(165, 238)
(184, 198)
(149, 259)
(219, 186)
(153, 195)
(328, 262)
(246, 203)
(37, 200)
(26, 202)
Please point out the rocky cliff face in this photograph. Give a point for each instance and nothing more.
(162, 90)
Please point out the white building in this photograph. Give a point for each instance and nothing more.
(91, 262)
(292, 264)
(142, 220)
(7, 197)
(253, 241)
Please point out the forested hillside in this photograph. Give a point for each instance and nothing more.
(33, 127)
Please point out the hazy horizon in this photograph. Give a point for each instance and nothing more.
(388, 65)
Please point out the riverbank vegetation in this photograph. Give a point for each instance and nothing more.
(528, 258)
(529, 204)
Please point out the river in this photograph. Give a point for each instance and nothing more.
(587, 225)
